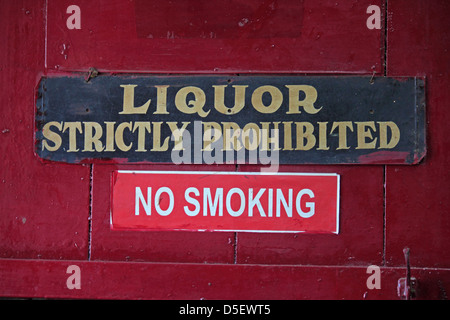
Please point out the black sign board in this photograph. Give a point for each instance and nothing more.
(231, 119)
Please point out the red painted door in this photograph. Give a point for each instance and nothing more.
(56, 215)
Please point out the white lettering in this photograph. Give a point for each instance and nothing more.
(189, 199)
(310, 205)
(255, 201)
(282, 199)
(228, 202)
(158, 199)
(218, 202)
(139, 198)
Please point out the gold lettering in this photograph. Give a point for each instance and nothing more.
(109, 145)
(342, 127)
(212, 133)
(161, 100)
(251, 130)
(178, 134)
(92, 134)
(275, 93)
(305, 130)
(73, 127)
(119, 136)
(363, 134)
(287, 135)
(141, 126)
(267, 140)
(395, 135)
(128, 101)
(157, 138)
(231, 134)
(219, 99)
(52, 136)
(197, 104)
(307, 103)
(323, 136)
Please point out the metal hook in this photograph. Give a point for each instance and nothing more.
(406, 287)
(92, 73)
(371, 81)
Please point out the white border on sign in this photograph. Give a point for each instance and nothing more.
(230, 173)
(244, 173)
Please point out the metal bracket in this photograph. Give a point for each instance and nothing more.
(407, 287)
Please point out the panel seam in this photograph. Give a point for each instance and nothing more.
(385, 166)
(385, 37)
(91, 170)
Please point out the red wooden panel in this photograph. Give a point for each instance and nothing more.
(46, 208)
(360, 238)
(43, 208)
(215, 36)
(171, 246)
(122, 280)
(417, 202)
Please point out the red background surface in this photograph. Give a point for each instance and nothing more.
(53, 215)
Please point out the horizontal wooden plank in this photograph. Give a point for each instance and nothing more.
(125, 280)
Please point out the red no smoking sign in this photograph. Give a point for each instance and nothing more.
(225, 201)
